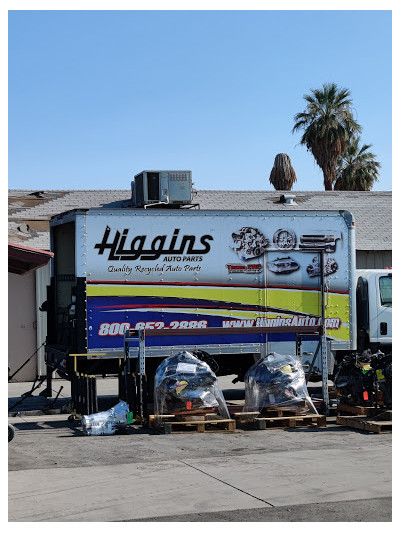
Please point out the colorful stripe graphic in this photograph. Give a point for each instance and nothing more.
(164, 303)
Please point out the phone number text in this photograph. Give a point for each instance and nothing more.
(118, 328)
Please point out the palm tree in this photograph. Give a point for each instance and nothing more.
(328, 125)
(282, 174)
(357, 170)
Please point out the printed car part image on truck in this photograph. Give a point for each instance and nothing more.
(169, 269)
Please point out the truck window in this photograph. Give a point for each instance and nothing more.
(385, 289)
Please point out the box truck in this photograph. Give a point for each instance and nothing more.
(188, 269)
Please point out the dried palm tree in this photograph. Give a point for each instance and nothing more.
(282, 175)
(328, 125)
(357, 170)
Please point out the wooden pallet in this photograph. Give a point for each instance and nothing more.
(359, 409)
(378, 424)
(201, 423)
(279, 422)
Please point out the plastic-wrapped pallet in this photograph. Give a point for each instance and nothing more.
(277, 381)
(183, 383)
(106, 422)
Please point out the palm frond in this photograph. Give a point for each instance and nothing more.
(328, 126)
(357, 169)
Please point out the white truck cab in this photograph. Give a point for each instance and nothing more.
(374, 309)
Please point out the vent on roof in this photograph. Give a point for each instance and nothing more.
(38, 194)
(23, 228)
(169, 187)
(288, 199)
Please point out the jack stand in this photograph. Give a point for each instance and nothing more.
(136, 383)
(50, 405)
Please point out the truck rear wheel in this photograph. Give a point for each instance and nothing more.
(11, 432)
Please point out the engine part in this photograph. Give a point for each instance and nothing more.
(184, 383)
(356, 381)
(330, 267)
(207, 358)
(106, 422)
(285, 239)
(277, 381)
(282, 265)
(382, 363)
(249, 243)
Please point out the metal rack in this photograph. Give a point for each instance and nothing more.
(139, 406)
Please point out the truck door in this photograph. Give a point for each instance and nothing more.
(381, 310)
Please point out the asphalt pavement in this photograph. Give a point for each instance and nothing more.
(56, 474)
(372, 510)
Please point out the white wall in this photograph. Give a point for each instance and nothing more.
(27, 326)
(42, 280)
(22, 325)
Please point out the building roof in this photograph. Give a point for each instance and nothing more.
(30, 210)
(22, 259)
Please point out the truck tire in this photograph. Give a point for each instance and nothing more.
(11, 432)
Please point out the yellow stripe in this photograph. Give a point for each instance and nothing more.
(246, 296)
(343, 333)
(296, 300)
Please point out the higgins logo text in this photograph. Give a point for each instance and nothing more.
(137, 248)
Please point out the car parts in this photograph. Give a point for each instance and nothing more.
(285, 239)
(249, 243)
(277, 381)
(282, 265)
(184, 383)
(330, 267)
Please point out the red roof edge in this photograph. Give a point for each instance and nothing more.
(34, 250)
(22, 259)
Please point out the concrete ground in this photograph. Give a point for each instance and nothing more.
(107, 390)
(305, 474)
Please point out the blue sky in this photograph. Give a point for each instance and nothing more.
(97, 96)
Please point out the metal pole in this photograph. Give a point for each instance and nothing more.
(142, 351)
(127, 367)
(94, 392)
(141, 367)
(79, 395)
(90, 395)
(265, 351)
(49, 379)
(324, 353)
(73, 391)
(313, 360)
(86, 395)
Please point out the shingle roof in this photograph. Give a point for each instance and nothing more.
(372, 210)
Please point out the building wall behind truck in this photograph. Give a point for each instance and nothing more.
(22, 325)
(42, 281)
(373, 259)
(27, 326)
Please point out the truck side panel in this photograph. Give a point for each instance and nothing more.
(224, 269)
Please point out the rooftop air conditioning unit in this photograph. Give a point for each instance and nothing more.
(172, 187)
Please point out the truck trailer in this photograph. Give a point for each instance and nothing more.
(166, 269)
